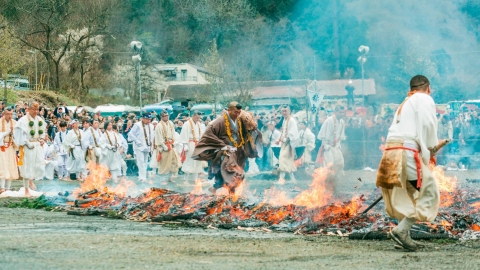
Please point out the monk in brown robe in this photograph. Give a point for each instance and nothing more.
(227, 143)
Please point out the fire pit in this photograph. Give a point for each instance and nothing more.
(312, 211)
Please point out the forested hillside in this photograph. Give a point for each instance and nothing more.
(81, 43)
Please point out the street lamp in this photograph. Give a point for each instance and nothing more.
(36, 67)
(136, 46)
(362, 59)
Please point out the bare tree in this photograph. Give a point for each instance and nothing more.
(45, 25)
(11, 58)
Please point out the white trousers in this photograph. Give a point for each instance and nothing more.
(62, 166)
(142, 163)
(2, 184)
(50, 169)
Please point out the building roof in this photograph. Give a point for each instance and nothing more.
(189, 92)
(337, 87)
(278, 92)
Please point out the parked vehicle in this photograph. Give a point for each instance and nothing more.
(112, 110)
(173, 107)
(207, 108)
(16, 82)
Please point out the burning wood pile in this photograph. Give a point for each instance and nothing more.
(310, 212)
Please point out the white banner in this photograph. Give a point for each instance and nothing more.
(315, 99)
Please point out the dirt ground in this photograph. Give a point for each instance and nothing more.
(38, 239)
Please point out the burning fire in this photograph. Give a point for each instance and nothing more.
(97, 179)
(197, 190)
(316, 195)
(447, 186)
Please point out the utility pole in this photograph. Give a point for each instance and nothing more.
(136, 59)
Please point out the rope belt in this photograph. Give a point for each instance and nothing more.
(416, 157)
(194, 141)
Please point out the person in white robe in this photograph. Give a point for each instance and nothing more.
(167, 158)
(270, 139)
(189, 137)
(62, 172)
(409, 190)
(142, 136)
(153, 164)
(288, 141)
(331, 134)
(92, 139)
(76, 146)
(29, 135)
(123, 148)
(8, 155)
(307, 139)
(51, 161)
(111, 156)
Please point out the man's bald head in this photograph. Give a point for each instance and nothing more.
(419, 83)
(234, 110)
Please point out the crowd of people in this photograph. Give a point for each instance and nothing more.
(72, 138)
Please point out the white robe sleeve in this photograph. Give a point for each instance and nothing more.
(134, 134)
(326, 130)
(342, 132)
(3, 135)
(184, 133)
(19, 136)
(426, 124)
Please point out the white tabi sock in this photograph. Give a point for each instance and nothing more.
(406, 224)
(2, 183)
(292, 177)
(282, 175)
(9, 183)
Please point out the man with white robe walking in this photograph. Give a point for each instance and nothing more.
(331, 134)
(92, 139)
(289, 140)
(62, 172)
(51, 161)
(409, 190)
(307, 139)
(168, 160)
(76, 145)
(189, 136)
(111, 157)
(8, 155)
(142, 136)
(29, 135)
(123, 148)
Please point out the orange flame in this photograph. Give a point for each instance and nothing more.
(276, 197)
(197, 190)
(316, 195)
(99, 175)
(446, 185)
(475, 227)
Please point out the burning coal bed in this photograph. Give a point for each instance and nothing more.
(311, 212)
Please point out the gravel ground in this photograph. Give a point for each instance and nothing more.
(37, 239)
